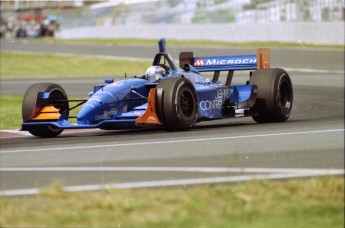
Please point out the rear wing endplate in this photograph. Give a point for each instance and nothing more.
(260, 60)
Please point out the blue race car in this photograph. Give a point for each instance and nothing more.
(171, 96)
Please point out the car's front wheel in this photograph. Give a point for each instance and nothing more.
(177, 103)
(31, 107)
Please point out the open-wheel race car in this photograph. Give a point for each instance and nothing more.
(169, 95)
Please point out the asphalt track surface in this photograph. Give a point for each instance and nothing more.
(310, 143)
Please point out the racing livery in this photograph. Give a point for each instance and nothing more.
(169, 95)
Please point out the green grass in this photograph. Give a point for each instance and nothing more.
(15, 65)
(10, 112)
(188, 43)
(316, 202)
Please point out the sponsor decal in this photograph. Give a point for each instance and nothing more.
(199, 62)
(223, 61)
(151, 119)
(136, 113)
(223, 94)
(217, 103)
(105, 116)
(287, 106)
(210, 105)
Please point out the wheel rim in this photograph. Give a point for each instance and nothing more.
(186, 104)
(285, 98)
(54, 100)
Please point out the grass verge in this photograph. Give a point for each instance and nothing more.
(10, 112)
(315, 202)
(189, 43)
(15, 65)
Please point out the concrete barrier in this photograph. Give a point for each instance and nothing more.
(327, 33)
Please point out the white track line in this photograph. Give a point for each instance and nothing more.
(169, 142)
(170, 169)
(185, 182)
(308, 70)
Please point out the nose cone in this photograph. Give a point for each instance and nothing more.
(94, 109)
(87, 115)
(108, 101)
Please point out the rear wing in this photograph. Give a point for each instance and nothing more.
(256, 61)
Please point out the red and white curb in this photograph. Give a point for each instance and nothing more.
(18, 133)
(13, 133)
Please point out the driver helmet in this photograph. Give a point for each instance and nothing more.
(155, 73)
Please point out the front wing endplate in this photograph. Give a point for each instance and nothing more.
(150, 116)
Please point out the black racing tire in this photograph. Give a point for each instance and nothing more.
(31, 106)
(46, 131)
(274, 95)
(177, 104)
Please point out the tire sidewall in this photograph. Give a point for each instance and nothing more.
(187, 121)
(269, 85)
(30, 106)
(171, 113)
(46, 131)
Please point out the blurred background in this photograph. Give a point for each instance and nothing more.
(303, 21)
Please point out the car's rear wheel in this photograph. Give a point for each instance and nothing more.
(31, 106)
(177, 103)
(274, 95)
